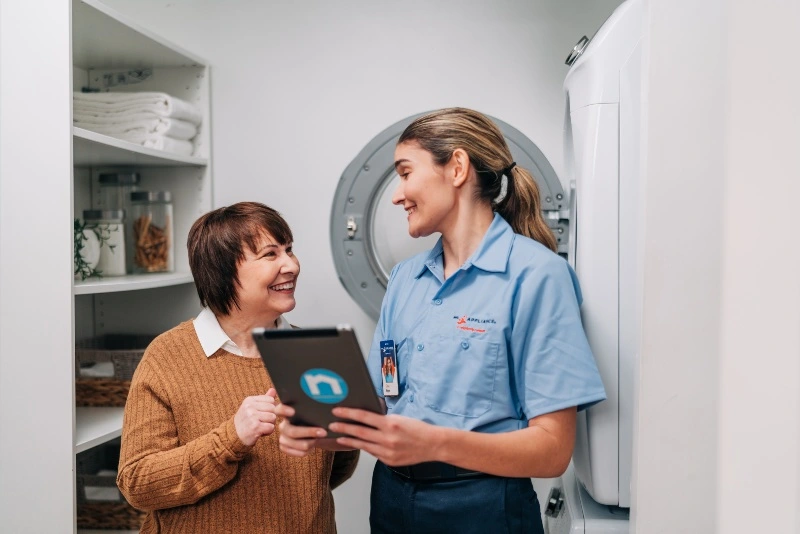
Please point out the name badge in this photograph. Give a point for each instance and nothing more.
(389, 368)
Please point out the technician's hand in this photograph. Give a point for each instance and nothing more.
(393, 439)
(300, 440)
(256, 417)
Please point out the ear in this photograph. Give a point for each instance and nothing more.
(461, 166)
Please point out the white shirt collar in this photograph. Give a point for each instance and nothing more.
(212, 337)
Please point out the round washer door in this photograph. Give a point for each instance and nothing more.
(369, 235)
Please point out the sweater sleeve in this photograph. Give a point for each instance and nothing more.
(155, 471)
(344, 464)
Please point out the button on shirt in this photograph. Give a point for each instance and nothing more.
(497, 343)
(212, 337)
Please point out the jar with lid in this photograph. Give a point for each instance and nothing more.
(116, 189)
(115, 194)
(109, 227)
(151, 230)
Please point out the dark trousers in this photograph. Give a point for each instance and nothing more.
(485, 504)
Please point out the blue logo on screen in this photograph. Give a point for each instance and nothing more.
(324, 386)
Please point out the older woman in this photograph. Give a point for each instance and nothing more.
(199, 448)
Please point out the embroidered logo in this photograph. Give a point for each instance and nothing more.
(472, 324)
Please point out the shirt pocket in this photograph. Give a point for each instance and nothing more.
(459, 375)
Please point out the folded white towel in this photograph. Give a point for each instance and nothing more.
(159, 142)
(168, 144)
(160, 103)
(175, 128)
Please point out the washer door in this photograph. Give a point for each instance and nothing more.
(369, 235)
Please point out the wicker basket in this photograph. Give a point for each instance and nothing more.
(124, 351)
(111, 513)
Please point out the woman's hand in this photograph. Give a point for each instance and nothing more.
(393, 439)
(256, 417)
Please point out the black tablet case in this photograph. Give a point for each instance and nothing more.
(288, 353)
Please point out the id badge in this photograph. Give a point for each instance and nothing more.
(389, 369)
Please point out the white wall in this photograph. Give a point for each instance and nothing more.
(759, 401)
(298, 88)
(718, 428)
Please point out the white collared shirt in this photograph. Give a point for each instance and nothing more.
(212, 337)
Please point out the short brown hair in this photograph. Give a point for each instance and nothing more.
(216, 247)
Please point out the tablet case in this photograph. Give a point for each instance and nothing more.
(315, 370)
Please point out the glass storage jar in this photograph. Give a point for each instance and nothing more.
(109, 227)
(116, 189)
(115, 194)
(151, 231)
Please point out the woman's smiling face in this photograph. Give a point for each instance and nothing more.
(423, 191)
(267, 278)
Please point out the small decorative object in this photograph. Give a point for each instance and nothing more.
(108, 226)
(88, 240)
(86, 251)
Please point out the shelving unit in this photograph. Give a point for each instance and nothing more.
(104, 45)
(48, 176)
(92, 149)
(94, 286)
(94, 426)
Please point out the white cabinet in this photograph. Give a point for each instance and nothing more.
(48, 176)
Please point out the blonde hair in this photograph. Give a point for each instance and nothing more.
(442, 132)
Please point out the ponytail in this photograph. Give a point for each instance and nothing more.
(521, 208)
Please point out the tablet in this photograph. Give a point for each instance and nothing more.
(316, 369)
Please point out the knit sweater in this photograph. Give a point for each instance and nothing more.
(182, 461)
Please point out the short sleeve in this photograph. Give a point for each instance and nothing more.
(553, 365)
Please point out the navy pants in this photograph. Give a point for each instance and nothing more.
(484, 504)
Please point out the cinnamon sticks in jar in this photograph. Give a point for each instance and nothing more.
(152, 231)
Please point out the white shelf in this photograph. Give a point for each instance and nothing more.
(105, 38)
(131, 282)
(94, 426)
(93, 149)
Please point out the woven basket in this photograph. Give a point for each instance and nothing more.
(124, 351)
(99, 514)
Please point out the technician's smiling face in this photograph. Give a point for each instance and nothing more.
(267, 279)
(424, 191)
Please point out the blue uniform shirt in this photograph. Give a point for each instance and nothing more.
(496, 344)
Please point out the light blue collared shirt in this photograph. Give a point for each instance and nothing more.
(497, 343)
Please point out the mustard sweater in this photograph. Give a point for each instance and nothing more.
(181, 459)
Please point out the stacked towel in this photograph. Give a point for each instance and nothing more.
(154, 120)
